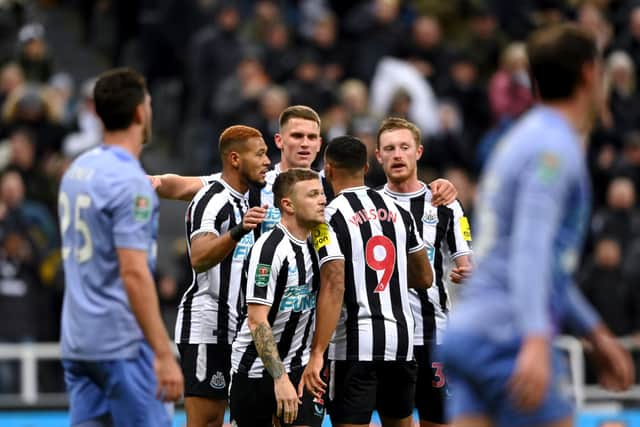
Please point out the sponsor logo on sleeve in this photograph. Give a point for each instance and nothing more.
(263, 271)
(142, 208)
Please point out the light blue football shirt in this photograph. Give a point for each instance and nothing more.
(105, 202)
(531, 218)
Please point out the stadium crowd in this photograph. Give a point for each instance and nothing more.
(458, 69)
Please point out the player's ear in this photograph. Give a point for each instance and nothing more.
(419, 151)
(234, 159)
(139, 114)
(278, 140)
(286, 204)
(366, 168)
(378, 156)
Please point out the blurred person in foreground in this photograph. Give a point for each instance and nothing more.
(118, 362)
(532, 214)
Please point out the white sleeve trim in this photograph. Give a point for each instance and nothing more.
(204, 230)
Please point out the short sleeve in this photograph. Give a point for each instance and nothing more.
(459, 233)
(132, 211)
(325, 239)
(210, 214)
(262, 275)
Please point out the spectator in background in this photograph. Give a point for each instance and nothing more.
(30, 109)
(89, 126)
(614, 296)
(280, 54)
(619, 218)
(33, 54)
(22, 159)
(622, 103)
(308, 86)
(60, 92)
(266, 15)
(484, 40)
(272, 102)
(448, 147)
(28, 215)
(510, 88)
(11, 78)
(629, 40)
(469, 94)
(628, 164)
(239, 94)
(331, 53)
(591, 18)
(377, 31)
(215, 53)
(427, 52)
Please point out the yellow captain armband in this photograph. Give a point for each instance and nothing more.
(320, 236)
(465, 228)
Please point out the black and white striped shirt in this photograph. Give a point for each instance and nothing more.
(438, 226)
(373, 235)
(283, 273)
(264, 196)
(208, 312)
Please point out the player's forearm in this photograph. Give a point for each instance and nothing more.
(329, 305)
(176, 187)
(579, 316)
(208, 250)
(419, 271)
(267, 349)
(536, 221)
(143, 299)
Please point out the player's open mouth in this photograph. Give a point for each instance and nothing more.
(304, 153)
(397, 166)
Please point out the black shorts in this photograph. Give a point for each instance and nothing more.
(432, 388)
(357, 388)
(206, 369)
(253, 402)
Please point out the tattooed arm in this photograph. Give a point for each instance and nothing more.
(286, 397)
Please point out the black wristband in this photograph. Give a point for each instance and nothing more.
(238, 232)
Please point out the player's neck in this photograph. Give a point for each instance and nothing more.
(575, 112)
(409, 185)
(297, 230)
(339, 184)
(234, 180)
(126, 139)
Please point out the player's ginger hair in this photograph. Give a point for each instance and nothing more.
(234, 136)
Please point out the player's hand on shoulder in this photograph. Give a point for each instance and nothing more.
(169, 376)
(286, 398)
(443, 192)
(156, 181)
(254, 217)
(530, 379)
(615, 366)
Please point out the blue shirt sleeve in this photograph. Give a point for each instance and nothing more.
(538, 209)
(131, 210)
(579, 315)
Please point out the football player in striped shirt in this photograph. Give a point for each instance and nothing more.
(299, 141)
(219, 227)
(398, 150)
(280, 282)
(370, 252)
